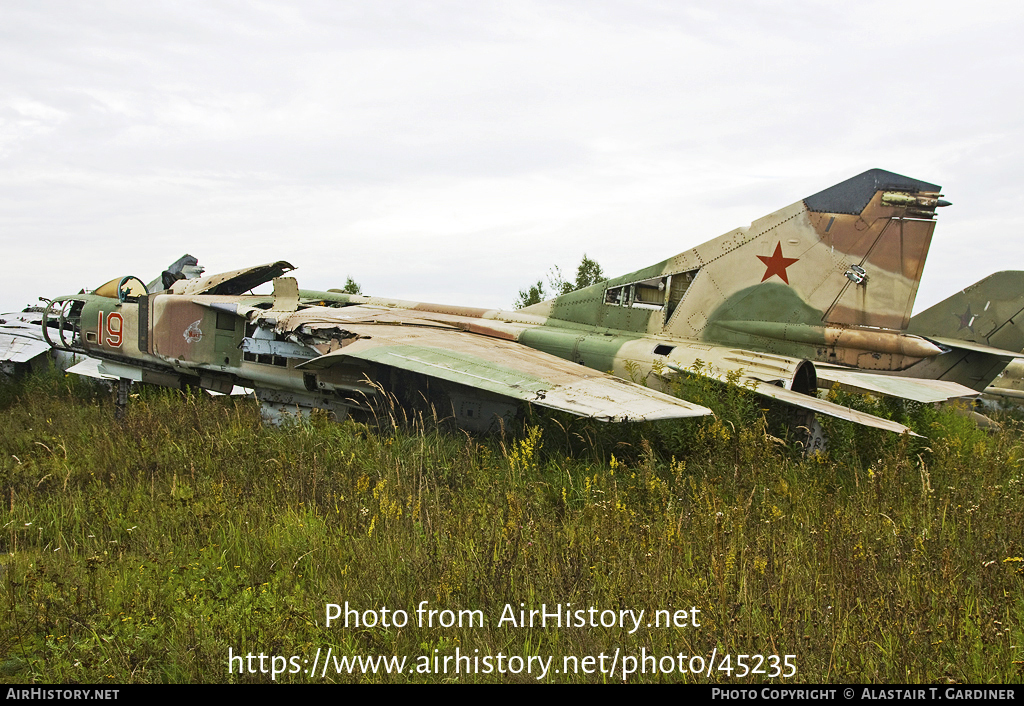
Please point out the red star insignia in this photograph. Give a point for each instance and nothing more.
(966, 320)
(777, 264)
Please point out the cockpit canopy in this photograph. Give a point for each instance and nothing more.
(125, 289)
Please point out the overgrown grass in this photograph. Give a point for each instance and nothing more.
(142, 550)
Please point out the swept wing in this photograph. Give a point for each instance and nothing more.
(508, 369)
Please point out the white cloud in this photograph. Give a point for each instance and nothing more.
(457, 150)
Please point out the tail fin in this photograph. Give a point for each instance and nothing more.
(849, 255)
(990, 312)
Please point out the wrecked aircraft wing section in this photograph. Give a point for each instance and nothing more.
(23, 347)
(507, 369)
(21, 337)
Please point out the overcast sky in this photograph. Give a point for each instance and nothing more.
(455, 151)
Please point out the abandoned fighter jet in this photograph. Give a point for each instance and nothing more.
(983, 328)
(829, 280)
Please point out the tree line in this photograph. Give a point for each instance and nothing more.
(588, 272)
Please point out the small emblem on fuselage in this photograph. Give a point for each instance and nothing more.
(193, 334)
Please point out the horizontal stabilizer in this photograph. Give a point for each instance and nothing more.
(798, 399)
(975, 365)
(974, 347)
(825, 407)
(917, 389)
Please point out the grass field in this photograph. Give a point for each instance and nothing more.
(145, 550)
